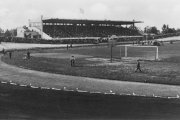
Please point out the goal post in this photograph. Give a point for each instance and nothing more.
(142, 49)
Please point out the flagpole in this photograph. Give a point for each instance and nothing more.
(81, 12)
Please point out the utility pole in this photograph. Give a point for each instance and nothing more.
(120, 52)
(157, 55)
(111, 52)
(125, 51)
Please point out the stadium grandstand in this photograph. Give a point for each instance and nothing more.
(81, 31)
(56, 30)
(67, 28)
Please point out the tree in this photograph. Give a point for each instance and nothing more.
(151, 30)
(171, 30)
(178, 30)
(154, 30)
(13, 32)
(1, 32)
(7, 33)
(164, 29)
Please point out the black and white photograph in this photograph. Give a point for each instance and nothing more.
(89, 59)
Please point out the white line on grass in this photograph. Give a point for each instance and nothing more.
(109, 93)
(55, 89)
(23, 85)
(44, 88)
(3, 82)
(65, 89)
(176, 97)
(95, 92)
(13, 83)
(34, 86)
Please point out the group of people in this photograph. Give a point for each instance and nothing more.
(28, 56)
(4, 52)
(63, 31)
(69, 46)
(72, 60)
(138, 67)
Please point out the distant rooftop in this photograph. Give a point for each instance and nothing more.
(85, 21)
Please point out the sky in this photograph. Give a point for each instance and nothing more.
(16, 13)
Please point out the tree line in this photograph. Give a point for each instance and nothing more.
(164, 30)
(8, 33)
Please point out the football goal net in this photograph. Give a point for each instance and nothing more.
(140, 52)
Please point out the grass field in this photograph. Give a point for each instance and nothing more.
(95, 62)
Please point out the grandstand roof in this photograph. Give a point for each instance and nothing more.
(84, 21)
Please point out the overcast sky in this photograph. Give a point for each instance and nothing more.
(15, 13)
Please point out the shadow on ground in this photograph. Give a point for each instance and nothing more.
(26, 103)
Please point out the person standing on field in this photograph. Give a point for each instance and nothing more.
(138, 66)
(10, 54)
(71, 45)
(72, 61)
(3, 51)
(28, 55)
(67, 47)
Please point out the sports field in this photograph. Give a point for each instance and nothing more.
(95, 62)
